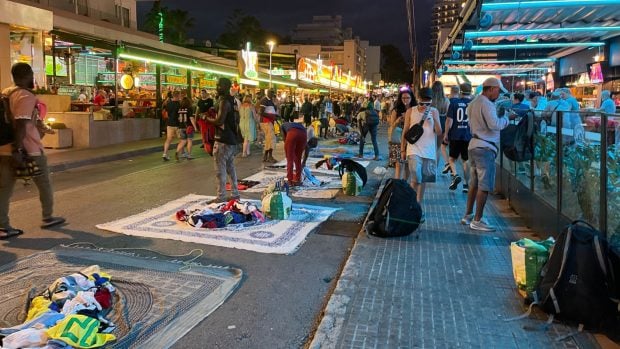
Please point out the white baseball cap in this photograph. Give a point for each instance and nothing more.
(494, 82)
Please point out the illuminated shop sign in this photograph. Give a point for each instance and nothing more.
(250, 63)
(327, 75)
(176, 80)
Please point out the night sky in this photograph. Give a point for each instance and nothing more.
(380, 22)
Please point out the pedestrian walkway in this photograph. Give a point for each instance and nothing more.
(64, 159)
(452, 288)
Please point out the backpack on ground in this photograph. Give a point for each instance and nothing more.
(577, 282)
(397, 212)
(517, 141)
(6, 124)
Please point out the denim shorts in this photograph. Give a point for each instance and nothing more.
(422, 170)
(182, 133)
(482, 168)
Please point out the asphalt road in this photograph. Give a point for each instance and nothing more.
(280, 298)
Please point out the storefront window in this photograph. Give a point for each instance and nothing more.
(203, 80)
(27, 47)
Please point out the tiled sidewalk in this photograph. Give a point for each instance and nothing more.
(452, 288)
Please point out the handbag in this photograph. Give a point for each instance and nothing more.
(415, 132)
(24, 166)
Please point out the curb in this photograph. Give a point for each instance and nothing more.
(71, 164)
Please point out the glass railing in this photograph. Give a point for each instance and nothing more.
(576, 167)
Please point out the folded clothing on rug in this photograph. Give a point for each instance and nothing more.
(242, 184)
(219, 215)
(84, 298)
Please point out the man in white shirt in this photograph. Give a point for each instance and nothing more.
(483, 148)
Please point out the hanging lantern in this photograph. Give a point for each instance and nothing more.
(486, 20)
(439, 74)
(456, 55)
(445, 68)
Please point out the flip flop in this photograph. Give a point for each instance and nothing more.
(9, 233)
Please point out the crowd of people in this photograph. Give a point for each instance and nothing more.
(457, 129)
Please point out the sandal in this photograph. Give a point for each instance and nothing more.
(10, 232)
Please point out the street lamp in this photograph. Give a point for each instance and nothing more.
(271, 44)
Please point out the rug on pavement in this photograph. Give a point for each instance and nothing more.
(311, 163)
(272, 236)
(156, 303)
(328, 189)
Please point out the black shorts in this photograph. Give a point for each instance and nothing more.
(459, 148)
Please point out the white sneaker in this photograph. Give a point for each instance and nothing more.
(466, 220)
(481, 225)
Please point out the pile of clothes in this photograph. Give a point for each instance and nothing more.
(219, 215)
(71, 313)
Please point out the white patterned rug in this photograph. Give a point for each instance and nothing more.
(330, 187)
(311, 162)
(273, 236)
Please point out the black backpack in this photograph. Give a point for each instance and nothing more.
(517, 141)
(6, 125)
(372, 118)
(397, 213)
(577, 281)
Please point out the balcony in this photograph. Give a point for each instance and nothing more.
(80, 7)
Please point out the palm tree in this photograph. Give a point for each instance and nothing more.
(176, 23)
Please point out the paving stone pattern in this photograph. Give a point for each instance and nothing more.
(452, 288)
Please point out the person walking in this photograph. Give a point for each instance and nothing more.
(247, 124)
(187, 126)
(227, 134)
(172, 124)
(268, 117)
(368, 121)
(458, 135)
(422, 156)
(295, 144)
(405, 101)
(485, 128)
(441, 103)
(207, 131)
(23, 110)
(306, 111)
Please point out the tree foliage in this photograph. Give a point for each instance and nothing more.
(177, 23)
(241, 28)
(394, 68)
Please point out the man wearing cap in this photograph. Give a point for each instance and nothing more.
(458, 135)
(226, 140)
(485, 128)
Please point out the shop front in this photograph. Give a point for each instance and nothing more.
(254, 78)
(319, 78)
(21, 39)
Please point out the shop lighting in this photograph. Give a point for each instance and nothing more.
(278, 82)
(551, 4)
(529, 46)
(544, 31)
(506, 61)
(172, 64)
(472, 69)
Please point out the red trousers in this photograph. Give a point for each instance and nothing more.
(294, 146)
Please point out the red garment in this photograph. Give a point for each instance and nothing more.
(99, 100)
(294, 146)
(104, 297)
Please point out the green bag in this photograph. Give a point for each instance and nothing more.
(528, 259)
(352, 183)
(277, 205)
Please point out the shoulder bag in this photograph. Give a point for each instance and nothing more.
(416, 131)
